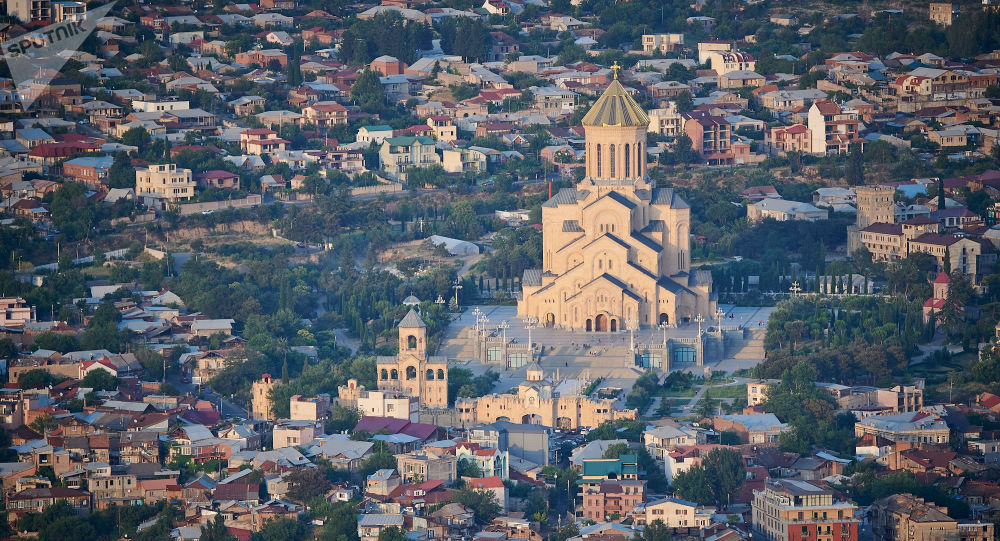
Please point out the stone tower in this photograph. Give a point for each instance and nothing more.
(260, 404)
(875, 205)
(412, 372)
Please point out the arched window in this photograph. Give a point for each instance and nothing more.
(440, 373)
(430, 375)
(385, 374)
(394, 374)
(411, 342)
(638, 159)
(611, 159)
(627, 171)
(411, 372)
(598, 160)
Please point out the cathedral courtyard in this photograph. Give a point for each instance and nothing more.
(579, 353)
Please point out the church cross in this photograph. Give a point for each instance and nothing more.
(615, 67)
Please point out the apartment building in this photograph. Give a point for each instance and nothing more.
(920, 427)
(711, 137)
(68, 10)
(610, 501)
(794, 138)
(29, 10)
(165, 182)
(906, 517)
(309, 409)
(724, 62)
(661, 43)
(677, 513)
(794, 510)
(388, 404)
(15, 312)
(420, 466)
(833, 128)
(260, 141)
(324, 114)
(666, 121)
(288, 433)
(398, 154)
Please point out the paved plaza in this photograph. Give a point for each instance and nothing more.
(578, 354)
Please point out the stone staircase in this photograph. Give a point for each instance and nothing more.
(751, 346)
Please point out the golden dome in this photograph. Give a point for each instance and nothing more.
(616, 108)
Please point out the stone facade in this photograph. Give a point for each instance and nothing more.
(615, 249)
(260, 404)
(537, 403)
(412, 372)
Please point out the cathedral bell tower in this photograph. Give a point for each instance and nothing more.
(615, 129)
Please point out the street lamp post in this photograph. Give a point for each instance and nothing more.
(795, 289)
(632, 326)
(664, 326)
(719, 312)
(476, 313)
(700, 319)
(529, 324)
(503, 326)
(456, 286)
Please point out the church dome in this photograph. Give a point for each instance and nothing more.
(616, 108)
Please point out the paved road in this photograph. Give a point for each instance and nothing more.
(228, 408)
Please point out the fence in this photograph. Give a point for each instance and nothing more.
(195, 208)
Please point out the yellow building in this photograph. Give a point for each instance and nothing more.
(412, 372)
(615, 248)
(538, 403)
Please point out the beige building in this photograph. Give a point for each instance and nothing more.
(790, 510)
(398, 154)
(724, 62)
(388, 404)
(615, 248)
(420, 466)
(15, 312)
(662, 43)
(942, 13)
(289, 433)
(676, 513)
(915, 426)
(165, 181)
(757, 391)
(891, 242)
(666, 121)
(308, 409)
(260, 403)
(538, 403)
(905, 517)
(412, 372)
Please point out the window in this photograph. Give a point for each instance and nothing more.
(611, 159)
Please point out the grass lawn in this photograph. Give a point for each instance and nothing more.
(681, 394)
(726, 391)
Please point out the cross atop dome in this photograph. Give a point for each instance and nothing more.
(615, 68)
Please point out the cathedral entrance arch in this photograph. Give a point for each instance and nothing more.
(614, 325)
(550, 319)
(664, 318)
(590, 326)
(601, 323)
(531, 419)
(564, 423)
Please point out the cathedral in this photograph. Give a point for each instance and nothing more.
(616, 252)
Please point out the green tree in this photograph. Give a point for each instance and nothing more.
(378, 461)
(367, 92)
(727, 474)
(695, 484)
(100, 380)
(855, 165)
(654, 531)
(216, 531)
(392, 533)
(307, 483)
(482, 502)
